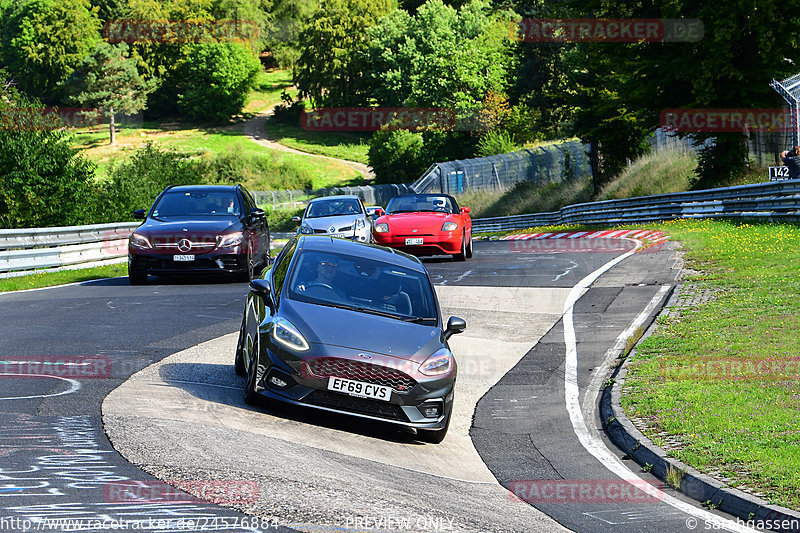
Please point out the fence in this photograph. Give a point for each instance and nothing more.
(774, 201)
(370, 195)
(63, 247)
(544, 164)
(764, 147)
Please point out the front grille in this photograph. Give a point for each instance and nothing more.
(417, 235)
(156, 263)
(354, 404)
(320, 230)
(346, 228)
(361, 371)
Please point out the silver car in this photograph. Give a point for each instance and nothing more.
(341, 216)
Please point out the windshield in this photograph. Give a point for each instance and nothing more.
(414, 203)
(332, 208)
(363, 285)
(197, 203)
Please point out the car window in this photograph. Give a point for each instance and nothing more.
(364, 285)
(281, 267)
(331, 208)
(198, 203)
(410, 204)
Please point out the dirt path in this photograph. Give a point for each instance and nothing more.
(254, 129)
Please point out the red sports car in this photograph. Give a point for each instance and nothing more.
(426, 224)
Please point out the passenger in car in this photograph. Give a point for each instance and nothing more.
(393, 295)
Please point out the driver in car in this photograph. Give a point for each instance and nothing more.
(327, 267)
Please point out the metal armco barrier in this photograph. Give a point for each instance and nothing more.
(774, 201)
(25, 250)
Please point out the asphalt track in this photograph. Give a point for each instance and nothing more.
(181, 416)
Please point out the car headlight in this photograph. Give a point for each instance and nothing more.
(286, 334)
(449, 226)
(139, 241)
(441, 362)
(383, 227)
(231, 240)
(305, 228)
(361, 223)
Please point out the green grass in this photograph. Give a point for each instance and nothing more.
(199, 140)
(350, 146)
(48, 279)
(661, 173)
(525, 198)
(267, 92)
(725, 376)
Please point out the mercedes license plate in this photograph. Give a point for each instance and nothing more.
(183, 257)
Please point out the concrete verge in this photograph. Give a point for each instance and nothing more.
(701, 487)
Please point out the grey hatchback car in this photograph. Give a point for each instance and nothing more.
(342, 216)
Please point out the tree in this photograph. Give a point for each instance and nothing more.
(442, 57)
(109, 79)
(44, 181)
(619, 89)
(289, 18)
(42, 41)
(330, 69)
(213, 80)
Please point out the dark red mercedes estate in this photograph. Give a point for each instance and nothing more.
(200, 229)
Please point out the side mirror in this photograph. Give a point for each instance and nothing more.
(257, 213)
(139, 214)
(380, 212)
(296, 219)
(261, 288)
(465, 209)
(454, 325)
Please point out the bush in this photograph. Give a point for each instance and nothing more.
(397, 156)
(280, 219)
(496, 142)
(213, 80)
(289, 111)
(259, 172)
(135, 183)
(43, 180)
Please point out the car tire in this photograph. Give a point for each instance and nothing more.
(469, 247)
(238, 360)
(250, 268)
(434, 436)
(251, 397)
(462, 255)
(136, 278)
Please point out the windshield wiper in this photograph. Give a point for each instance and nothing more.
(369, 310)
(417, 319)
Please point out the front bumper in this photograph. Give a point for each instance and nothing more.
(444, 243)
(152, 263)
(304, 389)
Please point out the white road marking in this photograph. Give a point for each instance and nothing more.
(567, 271)
(590, 442)
(74, 386)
